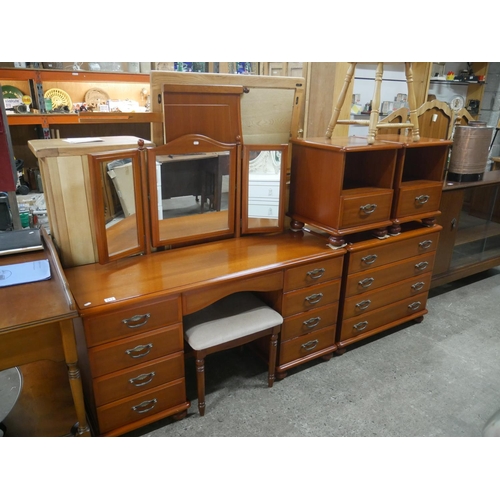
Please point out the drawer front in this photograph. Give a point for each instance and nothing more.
(365, 209)
(362, 324)
(392, 251)
(304, 323)
(369, 301)
(305, 299)
(416, 200)
(392, 273)
(147, 403)
(264, 190)
(129, 382)
(135, 350)
(132, 320)
(313, 273)
(263, 209)
(305, 345)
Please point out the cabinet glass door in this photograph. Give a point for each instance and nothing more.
(192, 184)
(117, 204)
(263, 191)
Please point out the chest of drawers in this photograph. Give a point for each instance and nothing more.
(135, 364)
(386, 282)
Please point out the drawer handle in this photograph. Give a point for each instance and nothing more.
(138, 351)
(414, 305)
(421, 265)
(309, 346)
(143, 379)
(361, 326)
(364, 304)
(369, 259)
(366, 282)
(145, 406)
(314, 298)
(143, 318)
(311, 323)
(369, 208)
(422, 199)
(316, 273)
(418, 286)
(425, 244)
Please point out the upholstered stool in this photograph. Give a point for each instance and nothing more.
(230, 322)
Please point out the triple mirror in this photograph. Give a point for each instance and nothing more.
(195, 193)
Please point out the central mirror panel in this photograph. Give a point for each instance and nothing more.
(192, 190)
(118, 215)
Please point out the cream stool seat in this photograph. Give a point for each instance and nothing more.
(232, 321)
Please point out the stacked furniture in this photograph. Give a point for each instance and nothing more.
(380, 202)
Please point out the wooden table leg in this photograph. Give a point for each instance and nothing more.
(71, 357)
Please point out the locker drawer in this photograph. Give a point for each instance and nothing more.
(386, 275)
(360, 325)
(367, 302)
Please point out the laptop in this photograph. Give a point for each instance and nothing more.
(20, 240)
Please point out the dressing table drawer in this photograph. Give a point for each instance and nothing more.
(305, 299)
(132, 320)
(305, 345)
(304, 323)
(135, 350)
(129, 410)
(312, 274)
(125, 383)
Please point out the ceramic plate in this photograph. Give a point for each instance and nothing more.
(10, 92)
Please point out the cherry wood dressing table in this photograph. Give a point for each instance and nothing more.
(131, 341)
(37, 323)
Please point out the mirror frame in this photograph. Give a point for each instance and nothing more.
(95, 161)
(189, 144)
(245, 182)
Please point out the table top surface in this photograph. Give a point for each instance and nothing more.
(184, 269)
(36, 303)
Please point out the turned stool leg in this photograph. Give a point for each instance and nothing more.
(200, 382)
(273, 347)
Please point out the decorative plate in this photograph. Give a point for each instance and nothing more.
(59, 98)
(10, 92)
(95, 96)
(457, 102)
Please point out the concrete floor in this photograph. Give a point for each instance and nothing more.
(440, 377)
